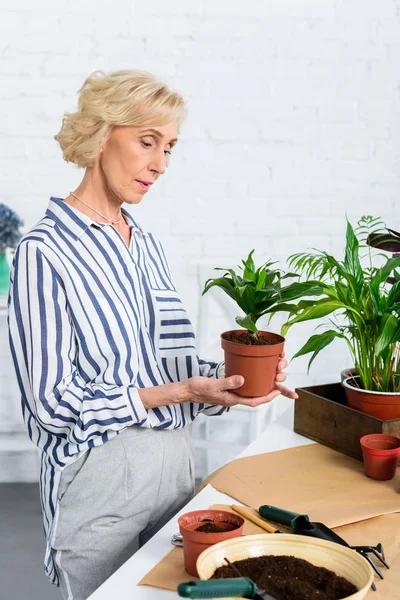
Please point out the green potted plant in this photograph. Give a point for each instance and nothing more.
(249, 352)
(10, 235)
(364, 310)
(389, 241)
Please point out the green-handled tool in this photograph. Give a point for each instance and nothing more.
(302, 525)
(242, 587)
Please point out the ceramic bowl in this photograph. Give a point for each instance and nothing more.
(321, 553)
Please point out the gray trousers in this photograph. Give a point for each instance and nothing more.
(114, 498)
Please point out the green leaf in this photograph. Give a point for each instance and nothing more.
(384, 272)
(236, 279)
(300, 289)
(268, 291)
(223, 282)
(260, 278)
(342, 292)
(290, 308)
(321, 309)
(316, 343)
(352, 260)
(247, 323)
(247, 300)
(282, 307)
(388, 336)
(249, 270)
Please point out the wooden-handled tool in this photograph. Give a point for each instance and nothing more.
(257, 520)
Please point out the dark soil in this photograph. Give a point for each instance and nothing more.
(290, 578)
(213, 528)
(249, 340)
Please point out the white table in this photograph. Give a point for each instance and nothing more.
(123, 583)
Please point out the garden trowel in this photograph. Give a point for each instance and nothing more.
(302, 525)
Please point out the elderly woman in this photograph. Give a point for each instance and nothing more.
(104, 350)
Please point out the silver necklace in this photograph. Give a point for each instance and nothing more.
(96, 211)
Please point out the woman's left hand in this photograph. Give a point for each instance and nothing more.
(281, 376)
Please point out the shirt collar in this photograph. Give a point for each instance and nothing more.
(77, 223)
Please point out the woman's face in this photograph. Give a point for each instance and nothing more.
(133, 158)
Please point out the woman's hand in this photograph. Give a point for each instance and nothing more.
(222, 391)
(280, 376)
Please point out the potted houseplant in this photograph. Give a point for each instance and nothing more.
(364, 311)
(10, 235)
(389, 241)
(249, 352)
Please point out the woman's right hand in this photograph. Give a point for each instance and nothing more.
(208, 390)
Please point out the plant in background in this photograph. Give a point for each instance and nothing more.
(388, 241)
(364, 309)
(260, 291)
(10, 224)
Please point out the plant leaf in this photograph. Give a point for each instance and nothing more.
(223, 282)
(316, 343)
(384, 272)
(320, 309)
(388, 240)
(300, 289)
(249, 267)
(389, 334)
(247, 323)
(260, 278)
(352, 260)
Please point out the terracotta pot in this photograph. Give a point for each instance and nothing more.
(257, 364)
(194, 542)
(383, 405)
(381, 454)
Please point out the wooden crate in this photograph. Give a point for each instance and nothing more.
(321, 414)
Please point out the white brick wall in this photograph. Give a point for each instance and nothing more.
(293, 120)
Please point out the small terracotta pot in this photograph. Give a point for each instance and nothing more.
(194, 542)
(257, 364)
(381, 454)
(383, 405)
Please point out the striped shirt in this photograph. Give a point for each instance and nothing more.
(90, 322)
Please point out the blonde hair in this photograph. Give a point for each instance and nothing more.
(108, 100)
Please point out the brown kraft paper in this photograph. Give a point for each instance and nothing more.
(315, 480)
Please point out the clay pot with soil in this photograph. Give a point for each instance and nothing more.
(381, 453)
(200, 529)
(252, 353)
(382, 405)
(256, 359)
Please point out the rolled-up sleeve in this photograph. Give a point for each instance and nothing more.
(63, 402)
(216, 370)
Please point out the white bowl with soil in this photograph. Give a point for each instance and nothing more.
(321, 553)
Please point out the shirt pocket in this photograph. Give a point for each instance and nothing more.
(174, 334)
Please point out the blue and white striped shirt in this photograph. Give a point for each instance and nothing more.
(90, 322)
